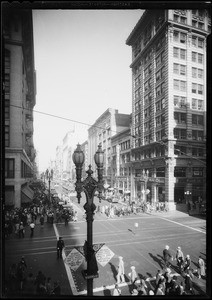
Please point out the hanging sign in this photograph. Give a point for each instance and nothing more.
(74, 259)
(104, 255)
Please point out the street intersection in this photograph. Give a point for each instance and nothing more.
(140, 246)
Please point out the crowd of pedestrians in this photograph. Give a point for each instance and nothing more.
(18, 219)
(166, 282)
(112, 210)
(22, 280)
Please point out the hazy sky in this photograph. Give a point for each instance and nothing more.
(82, 68)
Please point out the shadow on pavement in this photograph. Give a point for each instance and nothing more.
(113, 269)
(157, 260)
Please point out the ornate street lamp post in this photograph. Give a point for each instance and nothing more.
(49, 176)
(89, 186)
(145, 179)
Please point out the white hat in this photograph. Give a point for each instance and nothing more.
(179, 248)
(151, 292)
(120, 257)
(135, 292)
(167, 247)
(133, 268)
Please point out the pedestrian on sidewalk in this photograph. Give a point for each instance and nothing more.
(133, 277)
(179, 258)
(21, 272)
(21, 230)
(40, 282)
(167, 256)
(188, 281)
(159, 291)
(116, 291)
(30, 285)
(60, 246)
(49, 287)
(120, 275)
(158, 277)
(32, 227)
(42, 221)
(201, 267)
(187, 262)
(142, 288)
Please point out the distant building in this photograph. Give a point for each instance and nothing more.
(84, 147)
(169, 104)
(108, 124)
(67, 162)
(121, 161)
(58, 171)
(19, 97)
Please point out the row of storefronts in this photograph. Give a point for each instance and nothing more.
(153, 189)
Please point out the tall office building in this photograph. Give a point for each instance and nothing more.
(19, 100)
(169, 104)
(107, 125)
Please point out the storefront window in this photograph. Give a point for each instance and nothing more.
(160, 172)
(179, 172)
(197, 172)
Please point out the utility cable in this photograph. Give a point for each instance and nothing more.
(74, 121)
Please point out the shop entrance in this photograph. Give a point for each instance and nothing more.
(179, 195)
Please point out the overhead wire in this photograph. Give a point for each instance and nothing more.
(99, 127)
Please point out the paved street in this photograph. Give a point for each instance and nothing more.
(140, 246)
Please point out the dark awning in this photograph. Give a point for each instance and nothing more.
(27, 194)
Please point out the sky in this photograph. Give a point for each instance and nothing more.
(82, 69)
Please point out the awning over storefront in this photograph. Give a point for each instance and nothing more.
(27, 194)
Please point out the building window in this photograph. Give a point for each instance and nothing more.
(194, 56)
(197, 152)
(179, 133)
(194, 41)
(180, 150)
(197, 119)
(197, 88)
(180, 118)
(179, 85)
(7, 109)
(200, 43)
(179, 69)
(200, 73)
(9, 168)
(137, 80)
(197, 104)
(179, 101)
(7, 135)
(200, 58)
(197, 135)
(197, 172)
(179, 172)
(179, 37)
(160, 172)
(197, 73)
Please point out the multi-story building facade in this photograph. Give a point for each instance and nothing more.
(19, 96)
(108, 124)
(169, 104)
(58, 170)
(121, 161)
(67, 150)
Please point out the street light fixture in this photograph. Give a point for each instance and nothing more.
(49, 176)
(89, 186)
